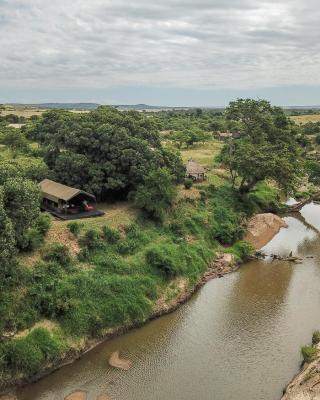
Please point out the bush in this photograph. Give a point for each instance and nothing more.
(112, 236)
(58, 253)
(75, 228)
(226, 226)
(309, 353)
(32, 239)
(242, 250)
(316, 337)
(28, 354)
(164, 259)
(91, 239)
(43, 223)
(188, 182)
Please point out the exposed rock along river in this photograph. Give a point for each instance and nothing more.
(238, 338)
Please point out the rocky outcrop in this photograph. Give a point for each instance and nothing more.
(262, 228)
(306, 384)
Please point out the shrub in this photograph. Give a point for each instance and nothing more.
(188, 182)
(58, 253)
(262, 198)
(308, 353)
(242, 250)
(32, 239)
(163, 258)
(112, 236)
(91, 239)
(24, 356)
(75, 228)
(316, 337)
(225, 225)
(43, 223)
(128, 246)
(28, 354)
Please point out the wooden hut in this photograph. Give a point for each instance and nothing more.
(195, 171)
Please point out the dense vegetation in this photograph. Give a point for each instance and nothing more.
(120, 273)
(105, 151)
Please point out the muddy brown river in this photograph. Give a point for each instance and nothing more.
(238, 338)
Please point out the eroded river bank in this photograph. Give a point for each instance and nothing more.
(238, 338)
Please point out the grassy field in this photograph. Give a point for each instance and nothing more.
(304, 119)
(204, 154)
(28, 112)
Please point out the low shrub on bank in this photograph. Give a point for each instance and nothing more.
(225, 225)
(241, 250)
(263, 198)
(309, 353)
(316, 337)
(30, 353)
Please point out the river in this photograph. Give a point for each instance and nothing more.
(238, 338)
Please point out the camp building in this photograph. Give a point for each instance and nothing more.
(195, 171)
(67, 202)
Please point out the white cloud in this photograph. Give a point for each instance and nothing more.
(174, 43)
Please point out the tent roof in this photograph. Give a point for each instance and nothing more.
(56, 191)
(194, 168)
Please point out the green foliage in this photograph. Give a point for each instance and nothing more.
(263, 198)
(15, 140)
(157, 193)
(226, 226)
(188, 182)
(266, 147)
(24, 167)
(241, 250)
(28, 354)
(7, 239)
(313, 170)
(58, 253)
(21, 203)
(309, 353)
(91, 239)
(75, 227)
(188, 137)
(112, 236)
(43, 223)
(104, 151)
(316, 337)
(318, 138)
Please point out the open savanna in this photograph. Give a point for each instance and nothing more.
(304, 119)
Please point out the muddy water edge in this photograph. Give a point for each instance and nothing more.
(238, 338)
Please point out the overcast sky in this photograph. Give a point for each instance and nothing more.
(165, 52)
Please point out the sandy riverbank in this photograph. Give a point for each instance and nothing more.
(262, 228)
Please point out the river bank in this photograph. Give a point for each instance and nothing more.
(223, 265)
(259, 226)
(306, 384)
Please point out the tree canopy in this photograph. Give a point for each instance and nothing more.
(265, 148)
(104, 151)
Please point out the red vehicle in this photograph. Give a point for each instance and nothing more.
(87, 207)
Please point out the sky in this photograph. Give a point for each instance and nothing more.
(166, 52)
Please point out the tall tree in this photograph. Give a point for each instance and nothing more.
(265, 148)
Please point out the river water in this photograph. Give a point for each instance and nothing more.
(238, 338)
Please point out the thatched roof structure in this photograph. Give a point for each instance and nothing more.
(56, 191)
(194, 168)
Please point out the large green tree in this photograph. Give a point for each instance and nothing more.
(265, 148)
(104, 151)
(157, 193)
